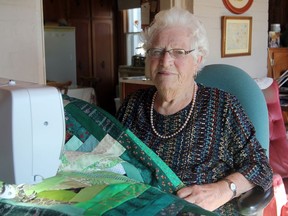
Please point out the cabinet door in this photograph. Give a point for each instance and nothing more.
(277, 61)
(79, 9)
(83, 48)
(54, 10)
(103, 63)
(102, 9)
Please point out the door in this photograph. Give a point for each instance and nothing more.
(103, 62)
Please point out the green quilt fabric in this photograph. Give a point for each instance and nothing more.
(105, 170)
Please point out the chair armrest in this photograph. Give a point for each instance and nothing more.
(254, 200)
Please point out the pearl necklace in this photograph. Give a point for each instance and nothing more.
(185, 123)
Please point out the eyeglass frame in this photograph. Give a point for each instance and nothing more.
(163, 51)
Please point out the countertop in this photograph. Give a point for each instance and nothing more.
(136, 80)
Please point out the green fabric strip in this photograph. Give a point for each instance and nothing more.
(160, 163)
(135, 206)
(111, 197)
(163, 204)
(112, 118)
(86, 121)
(132, 172)
(158, 204)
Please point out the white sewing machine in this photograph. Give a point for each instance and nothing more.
(32, 131)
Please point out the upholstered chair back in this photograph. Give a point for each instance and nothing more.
(236, 81)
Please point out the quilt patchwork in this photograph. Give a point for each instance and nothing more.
(105, 170)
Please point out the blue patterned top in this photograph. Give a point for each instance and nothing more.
(218, 140)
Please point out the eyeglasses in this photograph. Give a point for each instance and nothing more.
(174, 53)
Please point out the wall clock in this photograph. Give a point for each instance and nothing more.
(237, 6)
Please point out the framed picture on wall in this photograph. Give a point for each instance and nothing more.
(237, 6)
(236, 36)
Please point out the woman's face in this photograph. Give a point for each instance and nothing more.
(170, 73)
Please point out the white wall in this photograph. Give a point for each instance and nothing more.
(21, 37)
(210, 12)
(21, 40)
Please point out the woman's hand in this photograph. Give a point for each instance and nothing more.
(212, 196)
(208, 196)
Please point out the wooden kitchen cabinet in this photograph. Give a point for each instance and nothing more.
(95, 43)
(79, 16)
(102, 9)
(79, 9)
(103, 52)
(277, 61)
(103, 61)
(277, 65)
(83, 48)
(54, 10)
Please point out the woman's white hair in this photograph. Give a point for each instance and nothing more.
(183, 18)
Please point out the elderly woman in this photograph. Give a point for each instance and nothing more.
(218, 163)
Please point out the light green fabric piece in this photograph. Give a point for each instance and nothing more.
(59, 195)
(108, 145)
(67, 180)
(87, 162)
(105, 155)
(59, 182)
(88, 193)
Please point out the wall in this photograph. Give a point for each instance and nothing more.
(166, 4)
(21, 40)
(210, 12)
(21, 37)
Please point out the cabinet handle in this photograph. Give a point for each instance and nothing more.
(103, 64)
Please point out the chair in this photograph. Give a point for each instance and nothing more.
(278, 151)
(279, 204)
(239, 83)
(278, 140)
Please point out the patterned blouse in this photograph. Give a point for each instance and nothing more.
(218, 140)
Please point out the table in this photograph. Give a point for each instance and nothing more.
(83, 93)
(129, 85)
